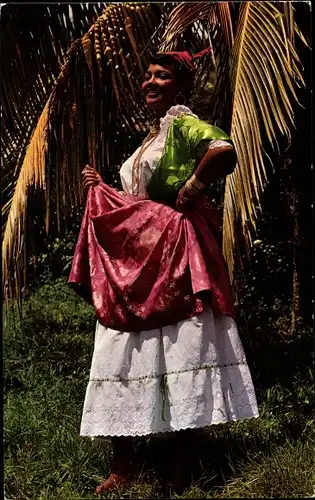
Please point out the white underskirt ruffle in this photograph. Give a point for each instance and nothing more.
(188, 375)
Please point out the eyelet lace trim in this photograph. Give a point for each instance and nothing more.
(218, 143)
(228, 396)
(167, 430)
(206, 144)
(174, 112)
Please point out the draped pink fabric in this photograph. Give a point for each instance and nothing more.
(144, 265)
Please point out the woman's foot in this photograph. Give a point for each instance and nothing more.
(123, 470)
(113, 482)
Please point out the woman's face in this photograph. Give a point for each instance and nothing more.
(160, 87)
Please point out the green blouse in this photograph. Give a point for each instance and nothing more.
(178, 160)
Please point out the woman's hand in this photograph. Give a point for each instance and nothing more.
(184, 200)
(90, 177)
(189, 193)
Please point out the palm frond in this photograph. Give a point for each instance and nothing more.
(257, 71)
(264, 71)
(96, 114)
(36, 43)
(194, 26)
(88, 118)
(32, 172)
(180, 19)
(225, 19)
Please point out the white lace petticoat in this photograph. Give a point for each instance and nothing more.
(188, 375)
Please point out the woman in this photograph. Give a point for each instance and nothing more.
(186, 368)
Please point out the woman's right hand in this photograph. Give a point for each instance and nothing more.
(90, 177)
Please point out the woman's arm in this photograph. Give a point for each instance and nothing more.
(216, 163)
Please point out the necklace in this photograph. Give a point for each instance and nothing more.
(136, 168)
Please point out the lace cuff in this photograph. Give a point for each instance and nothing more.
(205, 145)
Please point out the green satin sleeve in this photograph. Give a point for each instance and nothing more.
(178, 160)
(195, 130)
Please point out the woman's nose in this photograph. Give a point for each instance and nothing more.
(151, 81)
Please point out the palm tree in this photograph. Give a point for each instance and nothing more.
(251, 78)
(35, 42)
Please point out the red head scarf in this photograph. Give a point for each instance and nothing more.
(186, 58)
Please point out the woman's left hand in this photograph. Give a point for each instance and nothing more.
(188, 195)
(185, 199)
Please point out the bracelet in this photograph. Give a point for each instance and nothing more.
(195, 184)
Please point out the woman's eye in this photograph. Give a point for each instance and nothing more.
(163, 76)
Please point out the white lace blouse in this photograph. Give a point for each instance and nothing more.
(153, 153)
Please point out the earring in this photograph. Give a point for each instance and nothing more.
(180, 99)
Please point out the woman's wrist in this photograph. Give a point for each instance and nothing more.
(195, 186)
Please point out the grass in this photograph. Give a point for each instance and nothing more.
(47, 362)
(287, 472)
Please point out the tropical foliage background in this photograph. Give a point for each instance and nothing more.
(70, 95)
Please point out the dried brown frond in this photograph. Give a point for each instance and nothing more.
(264, 74)
(90, 118)
(32, 172)
(35, 45)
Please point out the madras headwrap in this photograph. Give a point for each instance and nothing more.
(185, 58)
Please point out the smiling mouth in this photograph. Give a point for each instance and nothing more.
(153, 94)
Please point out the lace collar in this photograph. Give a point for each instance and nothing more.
(175, 112)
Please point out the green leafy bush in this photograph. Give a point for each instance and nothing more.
(55, 335)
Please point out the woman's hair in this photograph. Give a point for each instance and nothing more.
(182, 73)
